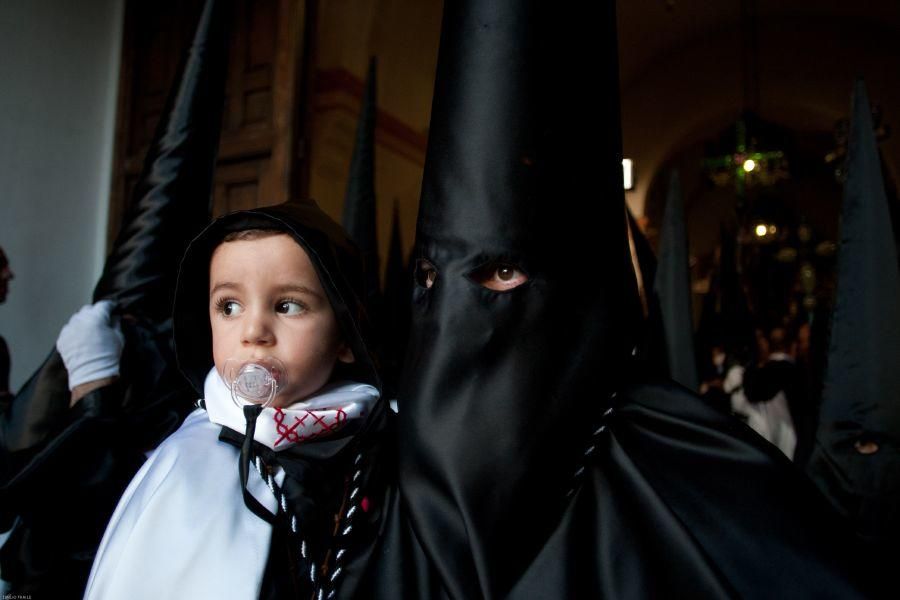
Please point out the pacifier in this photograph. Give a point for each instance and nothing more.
(255, 381)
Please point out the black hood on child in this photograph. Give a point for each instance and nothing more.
(318, 472)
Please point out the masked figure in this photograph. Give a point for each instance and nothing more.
(534, 462)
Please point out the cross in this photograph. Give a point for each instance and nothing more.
(742, 161)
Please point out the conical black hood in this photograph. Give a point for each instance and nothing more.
(523, 179)
(360, 212)
(860, 410)
(395, 308)
(672, 285)
(171, 201)
(726, 320)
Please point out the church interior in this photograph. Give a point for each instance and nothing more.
(760, 176)
(701, 86)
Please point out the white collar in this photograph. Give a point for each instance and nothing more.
(320, 415)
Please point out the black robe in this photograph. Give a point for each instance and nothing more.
(676, 500)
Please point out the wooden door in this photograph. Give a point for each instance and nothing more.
(260, 161)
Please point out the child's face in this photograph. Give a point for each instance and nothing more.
(265, 299)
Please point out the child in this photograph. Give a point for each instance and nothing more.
(272, 286)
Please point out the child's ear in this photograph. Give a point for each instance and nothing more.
(345, 354)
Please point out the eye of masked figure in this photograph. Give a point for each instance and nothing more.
(497, 276)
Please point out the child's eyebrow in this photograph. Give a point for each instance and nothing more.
(296, 287)
(225, 285)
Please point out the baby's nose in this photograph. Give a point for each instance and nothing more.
(257, 330)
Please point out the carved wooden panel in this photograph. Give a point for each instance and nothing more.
(258, 153)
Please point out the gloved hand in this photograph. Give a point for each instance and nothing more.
(91, 344)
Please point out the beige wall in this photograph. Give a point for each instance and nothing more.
(404, 38)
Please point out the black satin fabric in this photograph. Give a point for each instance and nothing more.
(671, 498)
(171, 201)
(523, 168)
(318, 473)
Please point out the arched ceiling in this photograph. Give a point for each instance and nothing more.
(650, 30)
(681, 73)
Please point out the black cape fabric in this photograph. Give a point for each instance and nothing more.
(318, 473)
(92, 450)
(515, 480)
(672, 286)
(861, 393)
(171, 201)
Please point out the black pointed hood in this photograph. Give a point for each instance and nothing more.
(861, 394)
(523, 177)
(395, 307)
(672, 285)
(725, 320)
(360, 214)
(171, 201)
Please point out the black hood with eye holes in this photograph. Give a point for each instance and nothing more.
(334, 257)
(523, 168)
(515, 480)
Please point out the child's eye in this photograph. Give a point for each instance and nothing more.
(499, 277)
(290, 307)
(229, 308)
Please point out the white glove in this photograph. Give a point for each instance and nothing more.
(91, 344)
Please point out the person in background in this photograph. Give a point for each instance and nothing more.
(775, 397)
(6, 275)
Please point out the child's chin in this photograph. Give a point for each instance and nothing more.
(291, 396)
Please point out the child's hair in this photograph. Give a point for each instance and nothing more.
(246, 235)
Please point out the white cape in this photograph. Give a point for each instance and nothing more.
(181, 529)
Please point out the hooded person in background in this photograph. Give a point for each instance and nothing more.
(856, 458)
(78, 430)
(534, 461)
